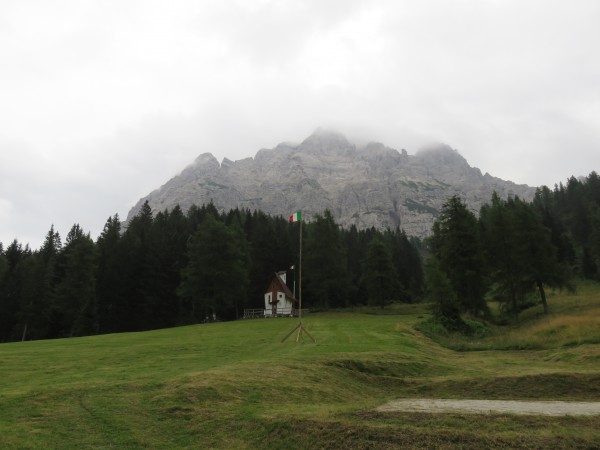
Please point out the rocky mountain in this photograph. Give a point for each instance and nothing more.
(370, 185)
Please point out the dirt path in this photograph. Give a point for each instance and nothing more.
(545, 408)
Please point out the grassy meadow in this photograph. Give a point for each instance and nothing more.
(235, 385)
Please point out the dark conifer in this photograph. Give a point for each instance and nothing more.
(38, 292)
(325, 263)
(456, 245)
(215, 278)
(76, 292)
(442, 296)
(11, 288)
(379, 275)
(109, 277)
(3, 264)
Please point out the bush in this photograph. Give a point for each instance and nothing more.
(442, 326)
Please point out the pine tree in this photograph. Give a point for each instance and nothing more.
(11, 289)
(135, 247)
(38, 291)
(539, 258)
(544, 203)
(214, 282)
(442, 296)
(262, 249)
(325, 263)
(499, 232)
(407, 263)
(109, 276)
(379, 274)
(520, 252)
(356, 248)
(595, 240)
(456, 245)
(244, 262)
(161, 270)
(3, 264)
(165, 259)
(76, 292)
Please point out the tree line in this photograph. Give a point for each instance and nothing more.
(513, 250)
(173, 268)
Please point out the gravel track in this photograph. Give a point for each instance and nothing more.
(545, 408)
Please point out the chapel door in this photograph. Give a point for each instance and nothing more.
(274, 302)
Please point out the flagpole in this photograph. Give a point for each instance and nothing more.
(300, 276)
(299, 328)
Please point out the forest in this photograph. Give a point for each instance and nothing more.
(173, 268)
(513, 250)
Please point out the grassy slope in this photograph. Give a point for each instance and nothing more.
(235, 385)
(573, 321)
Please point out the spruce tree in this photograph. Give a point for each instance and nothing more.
(262, 249)
(214, 282)
(442, 295)
(243, 260)
(379, 275)
(356, 252)
(505, 265)
(520, 252)
(595, 240)
(76, 292)
(325, 264)
(407, 263)
(456, 245)
(540, 263)
(135, 247)
(3, 264)
(545, 205)
(109, 276)
(164, 259)
(11, 289)
(38, 291)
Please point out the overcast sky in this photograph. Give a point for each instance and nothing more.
(103, 101)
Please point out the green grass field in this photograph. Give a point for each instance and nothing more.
(232, 385)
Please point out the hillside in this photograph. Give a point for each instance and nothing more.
(370, 185)
(235, 384)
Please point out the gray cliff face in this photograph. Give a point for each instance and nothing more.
(371, 185)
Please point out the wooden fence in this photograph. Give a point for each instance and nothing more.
(267, 313)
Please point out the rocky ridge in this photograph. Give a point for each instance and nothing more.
(369, 185)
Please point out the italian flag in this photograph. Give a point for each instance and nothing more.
(296, 217)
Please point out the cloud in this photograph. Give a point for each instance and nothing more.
(5, 209)
(103, 102)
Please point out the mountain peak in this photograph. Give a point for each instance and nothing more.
(440, 153)
(325, 140)
(326, 135)
(367, 185)
(206, 159)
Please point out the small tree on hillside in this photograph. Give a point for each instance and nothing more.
(442, 296)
